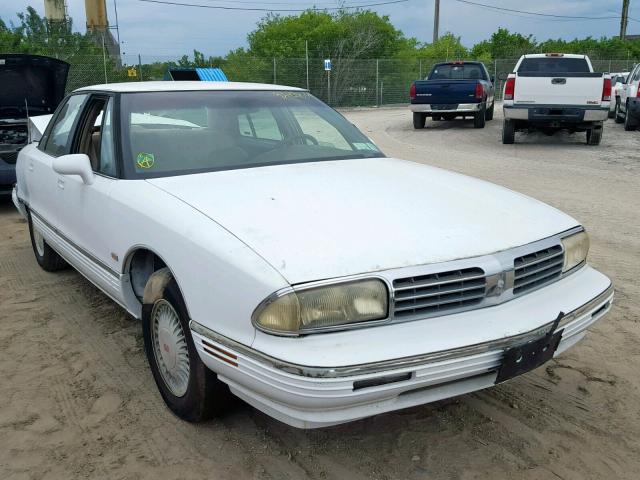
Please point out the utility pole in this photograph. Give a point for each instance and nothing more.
(436, 19)
(624, 19)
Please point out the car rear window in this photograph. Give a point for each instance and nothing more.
(466, 71)
(554, 65)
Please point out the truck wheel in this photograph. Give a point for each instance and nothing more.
(479, 119)
(47, 257)
(594, 135)
(612, 113)
(508, 132)
(489, 115)
(617, 113)
(419, 120)
(629, 124)
(188, 387)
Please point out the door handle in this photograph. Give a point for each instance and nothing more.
(30, 167)
(61, 183)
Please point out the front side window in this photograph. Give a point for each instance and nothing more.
(60, 136)
(175, 133)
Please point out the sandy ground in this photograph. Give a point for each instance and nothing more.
(77, 399)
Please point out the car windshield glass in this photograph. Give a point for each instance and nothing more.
(457, 72)
(181, 132)
(554, 65)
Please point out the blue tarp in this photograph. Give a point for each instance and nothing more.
(211, 75)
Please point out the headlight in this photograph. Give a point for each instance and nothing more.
(576, 248)
(324, 307)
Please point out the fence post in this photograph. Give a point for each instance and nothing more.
(495, 69)
(274, 70)
(381, 93)
(140, 66)
(377, 81)
(306, 54)
(104, 60)
(420, 76)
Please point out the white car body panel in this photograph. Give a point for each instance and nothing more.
(313, 221)
(233, 238)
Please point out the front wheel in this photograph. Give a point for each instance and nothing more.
(508, 132)
(629, 124)
(419, 120)
(489, 115)
(479, 119)
(187, 386)
(47, 257)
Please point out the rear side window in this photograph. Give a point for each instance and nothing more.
(60, 136)
(457, 72)
(554, 65)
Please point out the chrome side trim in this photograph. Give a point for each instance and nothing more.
(376, 367)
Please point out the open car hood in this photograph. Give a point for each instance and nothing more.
(31, 81)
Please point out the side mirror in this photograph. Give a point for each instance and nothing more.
(74, 164)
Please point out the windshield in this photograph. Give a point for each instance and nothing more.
(175, 133)
(467, 71)
(554, 65)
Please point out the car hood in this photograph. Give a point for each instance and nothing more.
(30, 81)
(321, 220)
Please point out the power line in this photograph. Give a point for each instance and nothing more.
(504, 9)
(255, 9)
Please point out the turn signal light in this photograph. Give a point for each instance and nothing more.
(510, 88)
(606, 90)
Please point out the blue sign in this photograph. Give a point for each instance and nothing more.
(327, 65)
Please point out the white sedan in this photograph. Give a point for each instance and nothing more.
(273, 251)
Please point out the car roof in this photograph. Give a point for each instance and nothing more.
(181, 86)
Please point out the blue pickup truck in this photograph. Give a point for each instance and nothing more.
(453, 89)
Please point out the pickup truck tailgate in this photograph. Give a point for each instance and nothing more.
(445, 91)
(582, 89)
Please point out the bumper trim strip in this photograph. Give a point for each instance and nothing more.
(377, 367)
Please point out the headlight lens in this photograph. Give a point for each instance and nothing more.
(576, 248)
(324, 307)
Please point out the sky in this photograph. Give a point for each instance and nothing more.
(168, 31)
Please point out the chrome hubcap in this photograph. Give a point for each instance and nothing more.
(170, 347)
(38, 239)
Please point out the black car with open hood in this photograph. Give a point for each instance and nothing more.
(30, 85)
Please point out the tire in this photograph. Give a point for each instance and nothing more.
(489, 115)
(617, 114)
(594, 136)
(198, 395)
(419, 120)
(47, 257)
(479, 119)
(629, 124)
(508, 132)
(612, 113)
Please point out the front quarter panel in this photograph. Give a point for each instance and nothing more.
(221, 279)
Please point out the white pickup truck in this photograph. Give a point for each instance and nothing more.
(554, 91)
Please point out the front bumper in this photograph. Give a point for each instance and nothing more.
(306, 396)
(557, 114)
(460, 108)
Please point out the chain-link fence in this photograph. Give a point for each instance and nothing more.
(351, 82)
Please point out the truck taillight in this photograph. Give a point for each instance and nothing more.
(606, 90)
(638, 93)
(510, 88)
(412, 91)
(479, 91)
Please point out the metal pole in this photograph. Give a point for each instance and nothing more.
(104, 60)
(328, 87)
(436, 20)
(274, 70)
(306, 54)
(495, 69)
(140, 66)
(115, 8)
(377, 80)
(381, 93)
(420, 76)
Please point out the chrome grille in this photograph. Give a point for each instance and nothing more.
(538, 268)
(438, 292)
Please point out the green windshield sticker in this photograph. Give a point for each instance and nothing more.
(145, 160)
